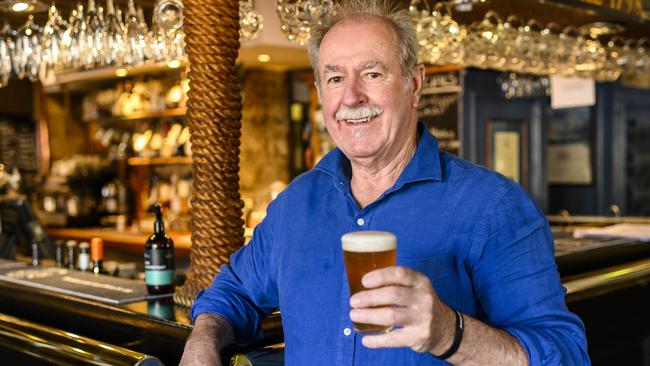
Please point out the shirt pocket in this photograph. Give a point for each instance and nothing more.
(439, 270)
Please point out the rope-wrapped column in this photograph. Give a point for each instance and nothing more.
(214, 114)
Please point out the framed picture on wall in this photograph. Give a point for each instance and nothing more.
(506, 148)
(569, 147)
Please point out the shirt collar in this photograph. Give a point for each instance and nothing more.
(425, 164)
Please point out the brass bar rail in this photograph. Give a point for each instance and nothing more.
(63, 348)
(607, 280)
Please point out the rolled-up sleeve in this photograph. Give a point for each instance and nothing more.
(244, 291)
(518, 285)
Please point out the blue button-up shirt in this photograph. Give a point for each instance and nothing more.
(485, 246)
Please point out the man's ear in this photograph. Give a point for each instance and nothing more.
(418, 80)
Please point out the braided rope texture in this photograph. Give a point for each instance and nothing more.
(214, 114)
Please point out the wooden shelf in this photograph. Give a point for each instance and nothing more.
(173, 160)
(175, 112)
(79, 80)
(126, 240)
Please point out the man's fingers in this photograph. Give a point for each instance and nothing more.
(389, 295)
(393, 339)
(386, 315)
(391, 276)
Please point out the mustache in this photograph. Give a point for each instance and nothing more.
(364, 111)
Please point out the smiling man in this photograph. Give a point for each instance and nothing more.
(475, 281)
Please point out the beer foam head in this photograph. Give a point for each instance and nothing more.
(368, 241)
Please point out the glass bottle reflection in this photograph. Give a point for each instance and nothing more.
(161, 308)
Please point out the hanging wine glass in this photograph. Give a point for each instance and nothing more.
(158, 42)
(298, 16)
(114, 29)
(538, 52)
(73, 38)
(494, 58)
(590, 55)
(144, 30)
(28, 50)
(566, 51)
(135, 40)
(637, 51)
(168, 14)
(453, 36)
(7, 53)
(94, 38)
(480, 38)
(250, 21)
(615, 61)
(507, 44)
(52, 41)
(5, 63)
(168, 19)
(549, 37)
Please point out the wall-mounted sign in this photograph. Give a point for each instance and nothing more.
(506, 148)
(570, 92)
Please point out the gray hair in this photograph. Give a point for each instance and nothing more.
(389, 11)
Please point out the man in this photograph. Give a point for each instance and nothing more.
(476, 281)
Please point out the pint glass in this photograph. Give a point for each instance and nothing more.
(363, 252)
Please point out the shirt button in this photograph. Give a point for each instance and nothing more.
(360, 222)
(347, 331)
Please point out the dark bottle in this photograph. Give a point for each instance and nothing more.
(36, 257)
(159, 273)
(97, 255)
(71, 248)
(58, 254)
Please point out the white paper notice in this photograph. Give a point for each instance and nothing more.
(570, 92)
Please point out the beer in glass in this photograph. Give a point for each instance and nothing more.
(363, 252)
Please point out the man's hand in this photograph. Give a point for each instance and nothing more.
(210, 334)
(401, 297)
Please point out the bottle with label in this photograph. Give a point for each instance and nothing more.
(159, 270)
(84, 256)
(97, 255)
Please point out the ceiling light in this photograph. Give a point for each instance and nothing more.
(174, 64)
(263, 58)
(19, 6)
(23, 6)
(121, 72)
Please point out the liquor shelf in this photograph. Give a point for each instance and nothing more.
(174, 112)
(131, 242)
(79, 80)
(172, 160)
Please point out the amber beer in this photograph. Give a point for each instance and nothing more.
(363, 252)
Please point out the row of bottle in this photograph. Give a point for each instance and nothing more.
(159, 258)
(83, 256)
